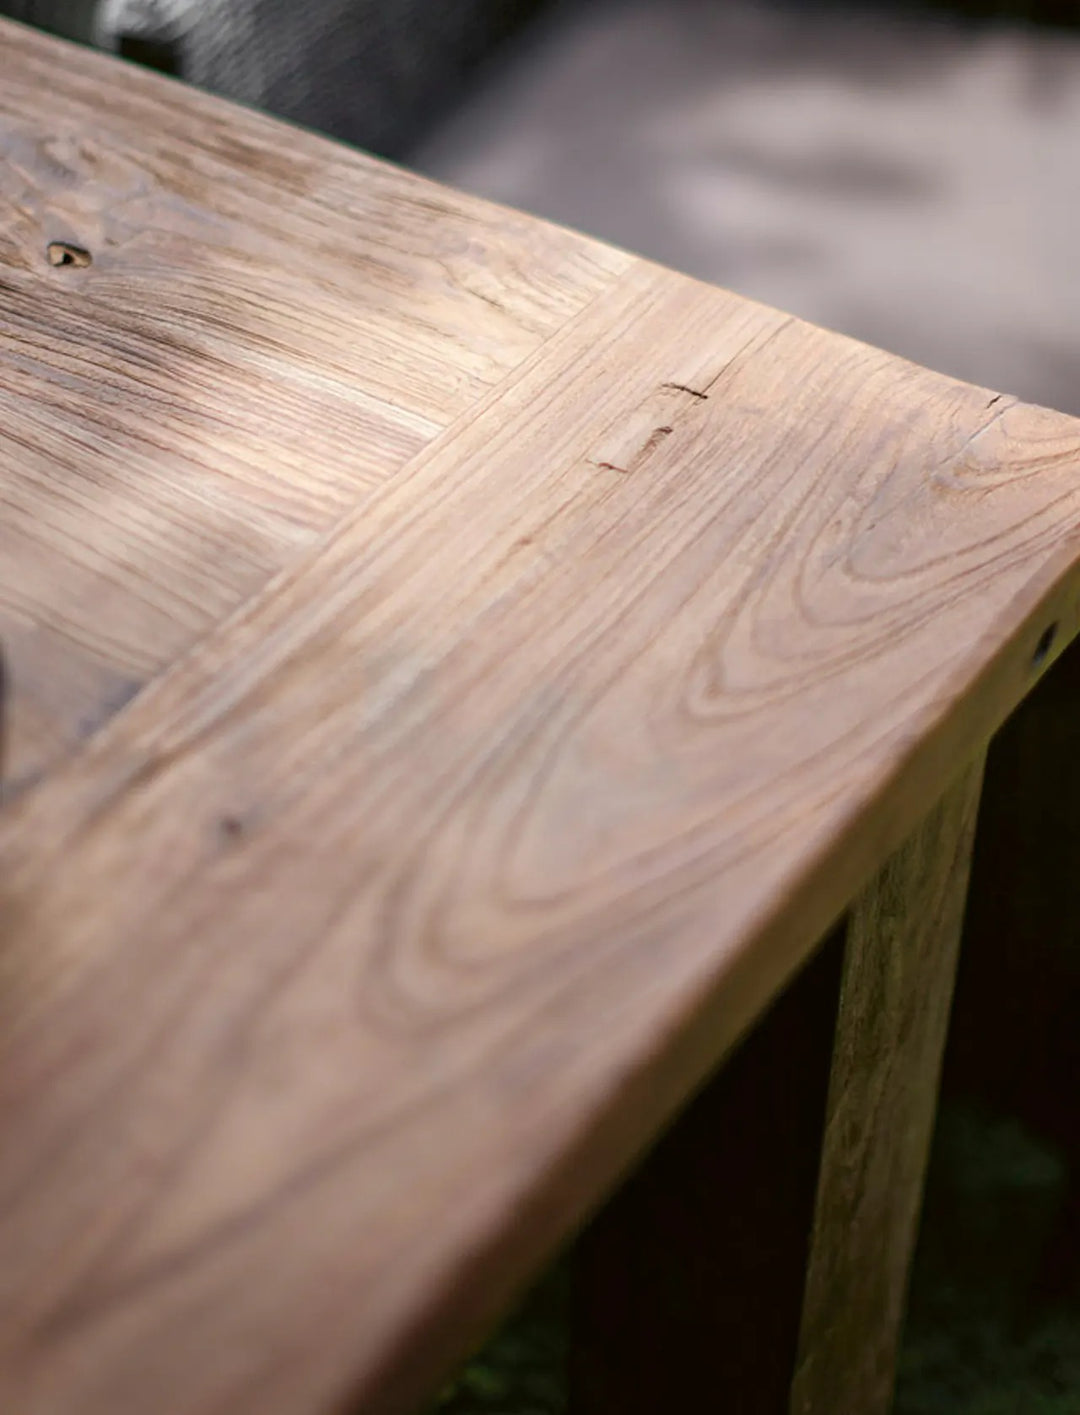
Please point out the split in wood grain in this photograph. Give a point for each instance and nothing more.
(65, 253)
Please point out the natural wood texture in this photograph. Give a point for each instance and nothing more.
(688, 1286)
(346, 969)
(903, 937)
(211, 347)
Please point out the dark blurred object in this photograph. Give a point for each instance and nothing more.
(73, 18)
(1036, 12)
(375, 73)
(692, 1276)
(1015, 1039)
(371, 72)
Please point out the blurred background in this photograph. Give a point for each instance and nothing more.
(908, 174)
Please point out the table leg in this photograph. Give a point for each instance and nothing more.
(757, 1261)
(900, 963)
(688, 1285)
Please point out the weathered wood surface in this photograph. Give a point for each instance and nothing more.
(903, 937)
(262, 328)
(455, 840)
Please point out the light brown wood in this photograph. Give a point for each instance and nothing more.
(255, 329)
(345, 969)
(903, 938)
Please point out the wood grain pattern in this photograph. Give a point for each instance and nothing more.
(267, 327)
(345, 970)
(903, 939)
(353, 961)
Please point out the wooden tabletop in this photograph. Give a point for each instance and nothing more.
(459, 670)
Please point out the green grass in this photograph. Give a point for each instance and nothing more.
(978, 1342)
(522, 1370)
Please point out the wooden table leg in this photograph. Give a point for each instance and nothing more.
(899, 967)
(688, 1285)
(757, 1261)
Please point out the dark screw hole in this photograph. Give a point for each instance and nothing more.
(64, 253)
(1045, 644)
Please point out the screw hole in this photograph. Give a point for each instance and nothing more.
(64, 253)
(1045, 644)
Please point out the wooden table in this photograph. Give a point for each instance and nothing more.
(459, 672)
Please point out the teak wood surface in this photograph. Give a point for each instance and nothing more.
(459, 672)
